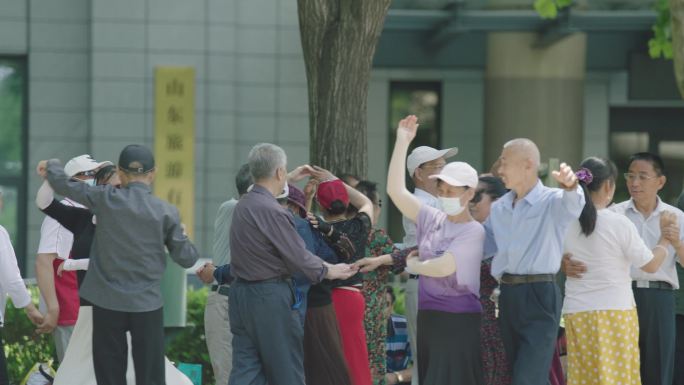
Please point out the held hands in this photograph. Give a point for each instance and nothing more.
(49, 322)
(565, 177)
(33, 314)
(321, 174)
(339, 271)
(299, 173)
(368, 264)
(572, 268)
(206, 273)
(408, 127)
(669, 228)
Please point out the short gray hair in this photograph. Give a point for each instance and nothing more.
(264, 159)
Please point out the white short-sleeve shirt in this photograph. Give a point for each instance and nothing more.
(609, 254)
(54, 238)
(649, 230)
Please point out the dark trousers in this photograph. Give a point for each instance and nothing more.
(655, 308)
(110, 346)
(529, 318)
(4, 377)
(267, 334)
(679, 351)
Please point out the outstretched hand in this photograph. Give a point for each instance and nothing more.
(322, 174)
(565, 177)
(339, 271)
(299, 173)
(408, 127)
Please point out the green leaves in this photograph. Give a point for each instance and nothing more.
(660, 45)
(548, 9)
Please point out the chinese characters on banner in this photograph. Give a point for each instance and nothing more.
(174, 140)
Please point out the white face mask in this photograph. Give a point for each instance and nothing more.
(450, 206)
(90, 182)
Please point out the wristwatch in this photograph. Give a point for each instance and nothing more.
(400, 378)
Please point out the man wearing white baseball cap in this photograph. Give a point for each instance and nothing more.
(422, 163)
(60, 293)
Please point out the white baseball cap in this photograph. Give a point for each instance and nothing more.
(424, 154)
(458, 174)
(82, 163)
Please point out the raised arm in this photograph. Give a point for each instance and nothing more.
(396, 185)
(82, 193)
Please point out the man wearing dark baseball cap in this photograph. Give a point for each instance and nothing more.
(134, 230)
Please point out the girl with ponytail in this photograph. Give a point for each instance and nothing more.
(600, 314)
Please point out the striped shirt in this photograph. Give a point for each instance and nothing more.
(397, 344)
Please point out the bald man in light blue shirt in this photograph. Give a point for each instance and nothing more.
(525, 231)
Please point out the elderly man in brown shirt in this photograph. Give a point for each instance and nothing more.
(266, 250)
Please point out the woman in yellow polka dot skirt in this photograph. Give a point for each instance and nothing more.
(600, 314)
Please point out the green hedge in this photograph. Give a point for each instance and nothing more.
(23, 347)
(190, 345)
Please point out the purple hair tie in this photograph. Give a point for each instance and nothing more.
(584, 175)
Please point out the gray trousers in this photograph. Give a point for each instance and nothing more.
(412, 318)
(62, 335)
(267, 335)
(219, 337)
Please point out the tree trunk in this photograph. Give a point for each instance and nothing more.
(677, 12)
(339, 39)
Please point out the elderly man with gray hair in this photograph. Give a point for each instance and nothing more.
(266, 250)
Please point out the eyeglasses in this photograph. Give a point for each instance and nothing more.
(631, 177)
(87, 173)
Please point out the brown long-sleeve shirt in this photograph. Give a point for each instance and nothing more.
(264, 243)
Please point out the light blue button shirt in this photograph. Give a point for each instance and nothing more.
(527, 238)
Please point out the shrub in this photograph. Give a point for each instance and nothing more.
(23, 347)
(189, 345)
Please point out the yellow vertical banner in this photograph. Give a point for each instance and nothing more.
(174, 139)
(174, 151)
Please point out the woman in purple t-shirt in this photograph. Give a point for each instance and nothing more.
(450, 247)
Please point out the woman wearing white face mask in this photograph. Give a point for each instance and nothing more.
(450, 244)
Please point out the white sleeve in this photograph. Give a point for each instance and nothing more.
(76, 264)
(55, 239)
(633, 247)
(10, 278)
(44, 196)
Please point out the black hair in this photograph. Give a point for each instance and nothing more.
(337, 207)
(243, 179)
(602, 170)
(345, 177)
(103, 174)
(389, 290)
(370, 190)
(655, 160)
(494, 187)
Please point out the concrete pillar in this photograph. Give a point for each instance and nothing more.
(535, 93)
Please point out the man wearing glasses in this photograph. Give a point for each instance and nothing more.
(653, 292)
(421, 163)
(60, 293)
